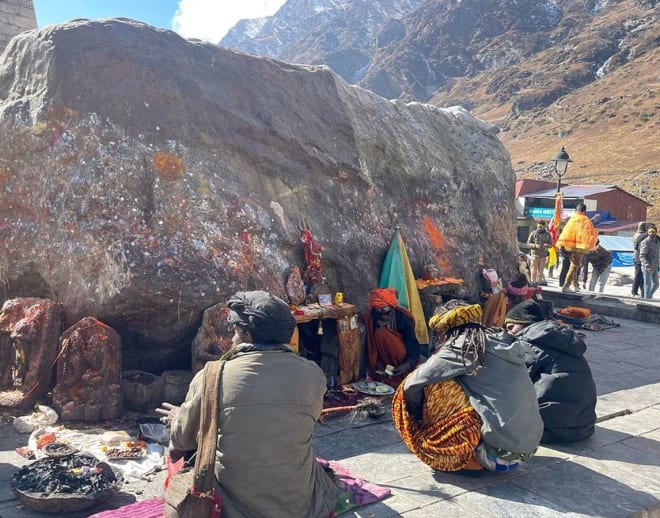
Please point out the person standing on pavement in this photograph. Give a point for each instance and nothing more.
(565, 263)
(649, 255)
(583, 275)
(539, 242)
(638, 280)
(601, 265)
(578, 238)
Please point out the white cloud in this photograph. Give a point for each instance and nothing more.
(209, 20)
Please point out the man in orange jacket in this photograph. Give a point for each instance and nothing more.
(578, 238)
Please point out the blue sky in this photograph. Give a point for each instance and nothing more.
(204, 19)
(154, 12)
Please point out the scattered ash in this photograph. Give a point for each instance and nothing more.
(79, 474)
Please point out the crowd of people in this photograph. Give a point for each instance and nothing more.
(501, 378)
(483, 401)
(586, 262)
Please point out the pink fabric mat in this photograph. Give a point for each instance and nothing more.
(152, 508)
(363, 493)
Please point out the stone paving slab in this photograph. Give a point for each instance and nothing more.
(512, 501)
(574, 487)
(634, 399)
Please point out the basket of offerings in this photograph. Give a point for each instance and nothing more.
(125, 450)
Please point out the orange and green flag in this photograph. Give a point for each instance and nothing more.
(553, 227)
(397, 273)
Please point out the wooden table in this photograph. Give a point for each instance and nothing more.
(348, 335)
(431, 292)
(314, 312)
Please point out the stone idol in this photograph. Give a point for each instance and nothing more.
(29, 333)
(145, 178)
(88, 384)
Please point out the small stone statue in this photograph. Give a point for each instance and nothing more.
(88, 373)
(213, 338)
(29, 332)
(295, 287)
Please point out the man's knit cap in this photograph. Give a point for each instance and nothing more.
(267, 317)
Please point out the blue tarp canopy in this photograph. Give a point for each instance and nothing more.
(608, 223)
(621, 248)
(616, 243)
(620, 259)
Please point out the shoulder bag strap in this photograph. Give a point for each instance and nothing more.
(205, 462)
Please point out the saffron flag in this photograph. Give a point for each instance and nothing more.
(397, 273)
(553, 227)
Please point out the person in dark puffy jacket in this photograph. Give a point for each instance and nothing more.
(554, 355)
(601, 262)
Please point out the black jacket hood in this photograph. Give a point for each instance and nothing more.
(551, 335)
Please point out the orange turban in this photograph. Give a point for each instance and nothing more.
(381, 297)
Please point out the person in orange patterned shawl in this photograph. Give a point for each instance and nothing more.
(391, 337)
(471, 405)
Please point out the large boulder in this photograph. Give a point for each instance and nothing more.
(145, 178)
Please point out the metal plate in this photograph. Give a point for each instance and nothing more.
(373, 388)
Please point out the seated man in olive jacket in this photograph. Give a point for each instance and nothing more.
(554, 355)
(270, 399)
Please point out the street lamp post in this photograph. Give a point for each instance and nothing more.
(560, 162)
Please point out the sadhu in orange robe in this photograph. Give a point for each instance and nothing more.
(391, 336)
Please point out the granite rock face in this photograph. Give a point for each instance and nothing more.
(145, 178)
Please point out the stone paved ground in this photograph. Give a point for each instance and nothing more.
(615, 473)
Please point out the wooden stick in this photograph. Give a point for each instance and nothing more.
(334, 411)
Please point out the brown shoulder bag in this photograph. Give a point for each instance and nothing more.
(190, 493)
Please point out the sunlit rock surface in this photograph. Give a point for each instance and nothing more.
(145, 178)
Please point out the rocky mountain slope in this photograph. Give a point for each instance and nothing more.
(579, 73)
